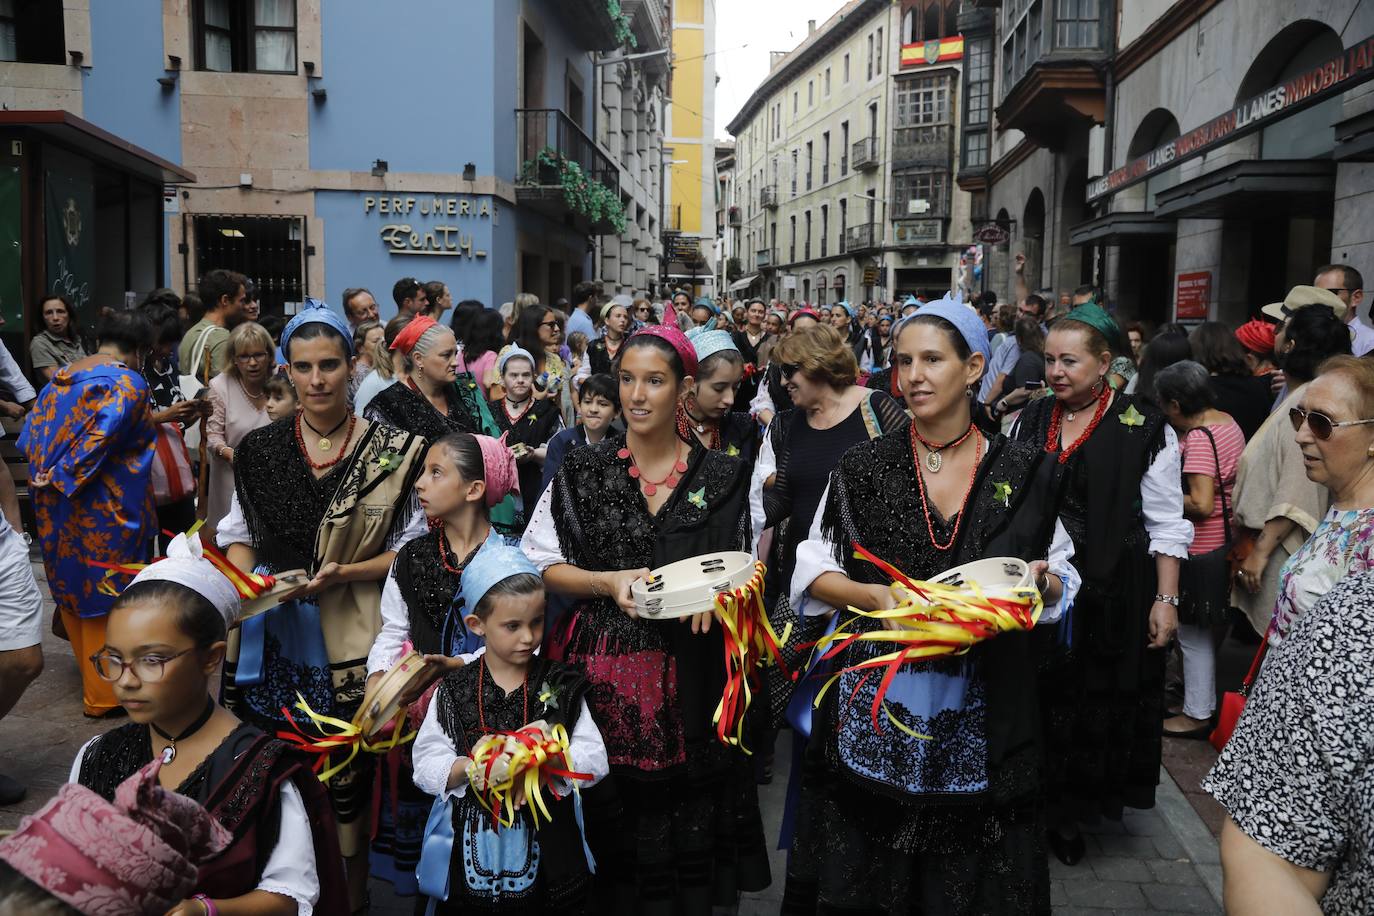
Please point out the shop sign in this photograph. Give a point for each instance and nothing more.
(870, 276)
(443, 239)
(789, 281)
(1192, 296)
(920, 232)
(1354, 66)
(992, 234)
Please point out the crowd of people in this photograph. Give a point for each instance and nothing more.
(485, 487)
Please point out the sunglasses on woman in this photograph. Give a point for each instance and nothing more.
(1320, 424)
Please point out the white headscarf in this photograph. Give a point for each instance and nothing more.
(186, 565)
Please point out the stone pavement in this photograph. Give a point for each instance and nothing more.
(1160, 861)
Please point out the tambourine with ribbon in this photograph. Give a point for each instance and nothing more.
(690, 586)
(333, 735)
(527, 758)
(947, 615)
(383, 706)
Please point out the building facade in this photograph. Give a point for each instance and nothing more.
(729, 269)
(1194, 159)
(267, 136)
(845, 160)
(688, 227)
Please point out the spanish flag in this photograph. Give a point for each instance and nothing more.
(935, 51)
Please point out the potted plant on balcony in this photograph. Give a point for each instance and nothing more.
(623, 35)
(582, 193)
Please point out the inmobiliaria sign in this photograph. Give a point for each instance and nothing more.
(1354, 66)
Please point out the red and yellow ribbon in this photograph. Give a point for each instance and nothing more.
(526, 758)
(929, 620)
(249, 585)
(332, 734)
(750, 642)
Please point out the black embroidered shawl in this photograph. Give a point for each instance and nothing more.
(285, 505)
(401, 406)
(430, 591)
(874, 502)
(599, 355)
(457, 699)
(534, 428)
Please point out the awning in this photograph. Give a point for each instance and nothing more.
(743, 283)
(1252, 189)
(97, 143)
(1121, 228)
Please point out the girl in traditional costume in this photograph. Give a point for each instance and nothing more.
(471, 862)
(529, 422)
(435, 399)
(332, 494)
(464, 476)
(688, 834)
(707, 414)
(164, 645)
(1103, 691)
(940, 815)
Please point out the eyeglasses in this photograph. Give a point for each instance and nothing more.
(552, 323)
(643, 310)
(788, 370)
(252, 357)
(1320, 424)
(147, 668)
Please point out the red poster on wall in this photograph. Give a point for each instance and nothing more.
(1192, 295)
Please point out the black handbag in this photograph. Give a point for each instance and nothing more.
(1205, 579)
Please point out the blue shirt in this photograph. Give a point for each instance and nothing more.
(579, 320)
(1002, 362)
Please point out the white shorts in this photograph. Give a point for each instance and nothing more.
(21, 604)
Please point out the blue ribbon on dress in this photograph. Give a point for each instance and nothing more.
(252, 647)
(436, 851)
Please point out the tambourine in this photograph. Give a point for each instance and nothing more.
(384, 707)
(690, 586)
(996, 576)
(284, 583)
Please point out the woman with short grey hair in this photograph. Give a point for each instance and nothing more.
(1211, 443)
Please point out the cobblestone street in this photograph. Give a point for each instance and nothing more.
(1160, 861)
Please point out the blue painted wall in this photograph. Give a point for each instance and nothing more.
(408, 82)
(357, 254)
(120, 89)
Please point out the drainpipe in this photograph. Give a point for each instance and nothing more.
(1109, 131)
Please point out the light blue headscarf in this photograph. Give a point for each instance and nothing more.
(848, 309)
(709, 341)
(493, 564)
(510, 353)
(965, 320)
(317, 311)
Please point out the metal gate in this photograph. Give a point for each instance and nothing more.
(269, 250)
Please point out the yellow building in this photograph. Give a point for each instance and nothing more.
(689, 147)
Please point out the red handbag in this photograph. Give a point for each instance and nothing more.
(1233, 701)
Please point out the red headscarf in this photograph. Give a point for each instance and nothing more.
(410, 336)
(1256, 336)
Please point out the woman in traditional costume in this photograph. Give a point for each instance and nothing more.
(707, 414)
(941, 814)
(601, 353)
(1119, 467)
(164, 645)
(528, 422)
(525, 866)
(422, 608)
(753, 342)
(331, 494)
(689, 835)
(435, 399)
(89, 443)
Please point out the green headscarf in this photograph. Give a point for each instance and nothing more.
(1095, 317)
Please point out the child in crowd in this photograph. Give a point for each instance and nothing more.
(598, 405)
(281, 397)
(506, 688)
(578, 369)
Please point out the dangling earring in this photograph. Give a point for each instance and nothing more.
(968, 391)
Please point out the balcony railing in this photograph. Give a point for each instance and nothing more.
(733, 217)
(768, 196)
(862, 237)
(765, 258)
(550, 129)
(925, 144)
(865, 154)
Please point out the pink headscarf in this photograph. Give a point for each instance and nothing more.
(498, 467)
(670, 334)
(138, 855)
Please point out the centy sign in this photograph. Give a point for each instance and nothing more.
(1354, 66)
(443, 240)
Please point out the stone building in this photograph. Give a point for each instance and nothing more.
(844, 159)
(1194, 158)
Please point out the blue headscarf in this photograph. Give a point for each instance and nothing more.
(708, 342)
(848, 309)
(965, 320)
(317, 311)
(493, 564)
(511, 352)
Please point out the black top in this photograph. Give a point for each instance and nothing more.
(403, 407)
(599, 358)
(749, 386)
(1029, 367)
(1246, 398)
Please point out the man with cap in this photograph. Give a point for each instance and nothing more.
(1348, 285)
(1299, 297)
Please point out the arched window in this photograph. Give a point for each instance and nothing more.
(909, 26)
(951, 17)
(932, 21)
(1310, 133)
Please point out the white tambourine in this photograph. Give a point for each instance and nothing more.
(996, 576)
(690, 586)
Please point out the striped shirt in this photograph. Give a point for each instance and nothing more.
(1210, 533)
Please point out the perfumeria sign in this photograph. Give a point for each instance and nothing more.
(1354, 66)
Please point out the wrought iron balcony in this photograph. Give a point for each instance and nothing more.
(926, 144)
(548, 144)
(864, 155)
(768, 196)
(733, 217)
(765, 258)
(862, 237)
